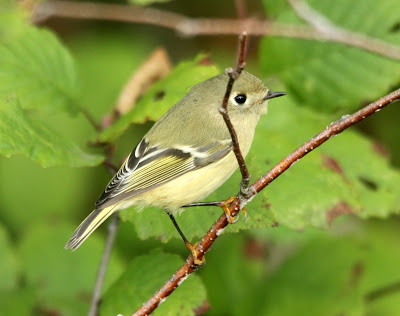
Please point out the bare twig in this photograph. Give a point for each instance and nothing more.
(233, 75)
(91, 119)
(199, 26)
(154, 68)
(314, 18)
(241, 9)
(112, 232)
(209, 238)
(383, 291)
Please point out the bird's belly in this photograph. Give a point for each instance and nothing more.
(188, 188)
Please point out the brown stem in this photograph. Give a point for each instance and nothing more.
(218, 227)
(383, 291)
(203, 26)
(233, 75)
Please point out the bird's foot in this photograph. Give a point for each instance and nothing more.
(192, 249)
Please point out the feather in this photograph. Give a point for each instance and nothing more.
(88, 226)
(148, 167)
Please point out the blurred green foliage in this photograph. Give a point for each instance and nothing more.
(313, 263)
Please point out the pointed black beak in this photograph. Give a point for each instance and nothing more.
(271, 95)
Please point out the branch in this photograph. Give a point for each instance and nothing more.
(383, 292)
(96, 297)
(209, 238)
(233, 75)
(203, 26)
(312, 17)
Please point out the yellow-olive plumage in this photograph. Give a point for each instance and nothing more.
(187, 154)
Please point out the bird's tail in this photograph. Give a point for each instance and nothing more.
(88, 226)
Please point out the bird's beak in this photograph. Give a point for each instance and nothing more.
(271, 95)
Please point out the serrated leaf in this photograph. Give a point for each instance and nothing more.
(19, 134)
(163, 95)
(331, 76)
(333, 180)
(340, 270)
(38, 69)
(9, 267)
(64, 278)
(144, 275)
(316, 281)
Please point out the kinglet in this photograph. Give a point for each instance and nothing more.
(186, 155)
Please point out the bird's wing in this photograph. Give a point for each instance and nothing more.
(150, 166)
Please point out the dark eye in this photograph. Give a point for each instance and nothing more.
(240, 98)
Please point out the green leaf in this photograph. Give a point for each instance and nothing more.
(38, 69)
(19, 302)
(331, 76)
(345, 175)
(163, 95)
(13, 21)
(63, 278)
(328, 274)
(317, 280)
(9, 267)
(19, 134)
(146, 274)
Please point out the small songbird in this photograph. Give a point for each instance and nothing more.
(186, 155)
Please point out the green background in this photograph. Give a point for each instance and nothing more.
(323, 239)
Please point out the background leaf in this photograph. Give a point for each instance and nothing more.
(20, 134)
(143, 277)
(9, 265)
(64, 281)
(330, 76)
(42, 78)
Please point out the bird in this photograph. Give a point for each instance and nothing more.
(186, 155)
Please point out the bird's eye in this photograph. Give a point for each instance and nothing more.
(240, 98)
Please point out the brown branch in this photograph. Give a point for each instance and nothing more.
(203, 26)
(209, 238)
(241, 9)
(233, 75)
(382, 292)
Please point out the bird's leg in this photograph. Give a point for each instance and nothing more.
(191, 247)
(224, 205)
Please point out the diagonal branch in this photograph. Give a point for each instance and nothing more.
(202, 26)
(209, 238)
(233, 75)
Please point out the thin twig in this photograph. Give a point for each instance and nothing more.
(233, 75)
(91, 119)
(112, 232)
(203, 26)
(383, 291)
(312, 17)
(218, 227)
(241, 9)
